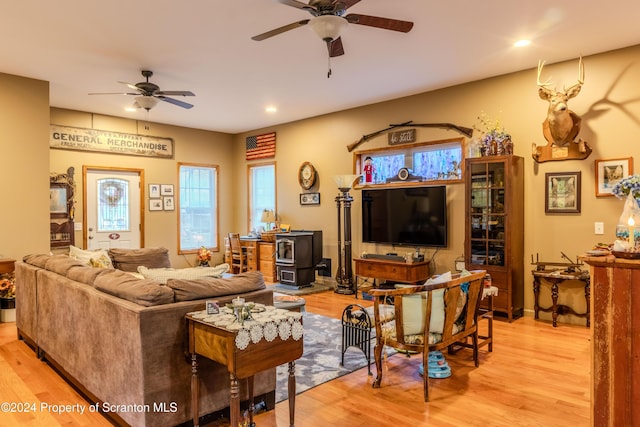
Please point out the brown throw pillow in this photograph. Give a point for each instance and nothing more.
(130, 259)
(188, 290)
(141, 291)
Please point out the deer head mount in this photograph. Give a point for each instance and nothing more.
(561, 126)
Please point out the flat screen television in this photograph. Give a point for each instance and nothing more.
(415, 216)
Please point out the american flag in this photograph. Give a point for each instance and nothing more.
(261, 146)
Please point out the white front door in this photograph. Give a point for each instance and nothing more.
(112, 211)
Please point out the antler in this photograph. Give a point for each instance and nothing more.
(580, 72)
(540, 67)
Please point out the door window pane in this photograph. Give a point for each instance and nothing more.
(198, 210)
(113, 205)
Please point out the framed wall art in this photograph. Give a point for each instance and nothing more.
(168, 203)
(562, 192)
(310, 198)
(611, 171)
(166, 190)
(155, 204)
(154, 191)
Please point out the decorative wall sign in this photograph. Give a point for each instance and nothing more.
(402, 136)
(72, 138)
(261, 146)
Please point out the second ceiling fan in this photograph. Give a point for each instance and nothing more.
(330, 19)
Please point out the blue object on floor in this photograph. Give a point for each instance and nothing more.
(438, 366)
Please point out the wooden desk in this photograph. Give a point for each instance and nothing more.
(221, 346)
(395, 271)
(557, 278)
(615, 343)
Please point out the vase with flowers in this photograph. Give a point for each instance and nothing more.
(494, 141)
(627, 229)
(204, 256)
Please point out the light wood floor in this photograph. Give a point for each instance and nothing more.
(536, 375)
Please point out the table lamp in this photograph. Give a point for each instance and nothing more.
(268, 216)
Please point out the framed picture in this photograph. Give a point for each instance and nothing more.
(609, 172)
(166, 190)
(58, 200)
(154, 191)
(310, 198)
(155, 204)
(168, 203)
(562, 192)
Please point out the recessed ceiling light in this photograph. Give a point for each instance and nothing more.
(522, 43)
(271, 109)
(131, 109)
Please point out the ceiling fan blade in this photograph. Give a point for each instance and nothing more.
(349, 3)
(299, 5)
(335, 47)
(378, 22)
(114, 93)
(280, 30)
(132, 86)
(174, 92)
(174, 101)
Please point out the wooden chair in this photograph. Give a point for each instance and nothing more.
(238, 256)
(407, 324)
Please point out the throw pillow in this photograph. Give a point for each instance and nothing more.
(414, 308)
(102, 261)
(188, 290)
(140, 291)
(163, 274)
(130, 259)
(85, 256)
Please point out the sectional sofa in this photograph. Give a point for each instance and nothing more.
(120, 338)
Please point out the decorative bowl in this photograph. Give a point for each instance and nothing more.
(626, 255)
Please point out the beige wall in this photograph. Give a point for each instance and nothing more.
(611, 125)
(24, 125)
(190, 146)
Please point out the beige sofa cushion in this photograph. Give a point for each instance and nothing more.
(187, 290)
(61, 264)
(38, 260)
(163, 274)
(141, 291)
(130, 259)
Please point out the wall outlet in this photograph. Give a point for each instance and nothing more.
(599, 228)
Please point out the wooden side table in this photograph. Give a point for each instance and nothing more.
(557, 278)
(220, 345)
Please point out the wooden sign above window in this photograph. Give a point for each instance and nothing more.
(402, 136)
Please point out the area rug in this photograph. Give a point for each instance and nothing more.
(322, 355)
(292, 290)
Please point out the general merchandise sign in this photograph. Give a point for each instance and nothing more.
(72, 138)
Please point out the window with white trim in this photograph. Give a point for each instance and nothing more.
(262, 192)
(197, 207)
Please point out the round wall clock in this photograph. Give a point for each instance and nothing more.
(403, 174)
(307, 175)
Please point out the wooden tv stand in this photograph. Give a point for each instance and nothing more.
(394, 271)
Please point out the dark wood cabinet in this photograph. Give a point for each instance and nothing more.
(494, 226)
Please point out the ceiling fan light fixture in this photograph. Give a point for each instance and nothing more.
(146, 102)
(328, 27)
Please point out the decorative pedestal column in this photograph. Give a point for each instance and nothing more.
(344, 275)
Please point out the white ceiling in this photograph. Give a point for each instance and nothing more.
(205, 46)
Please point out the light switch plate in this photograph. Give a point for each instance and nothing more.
(77, 226)
(599, 228)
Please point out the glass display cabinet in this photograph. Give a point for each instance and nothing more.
(494, 236)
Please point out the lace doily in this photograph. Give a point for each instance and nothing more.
(266, 323)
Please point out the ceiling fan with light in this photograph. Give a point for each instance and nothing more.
(329, 20)
(148, 94)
